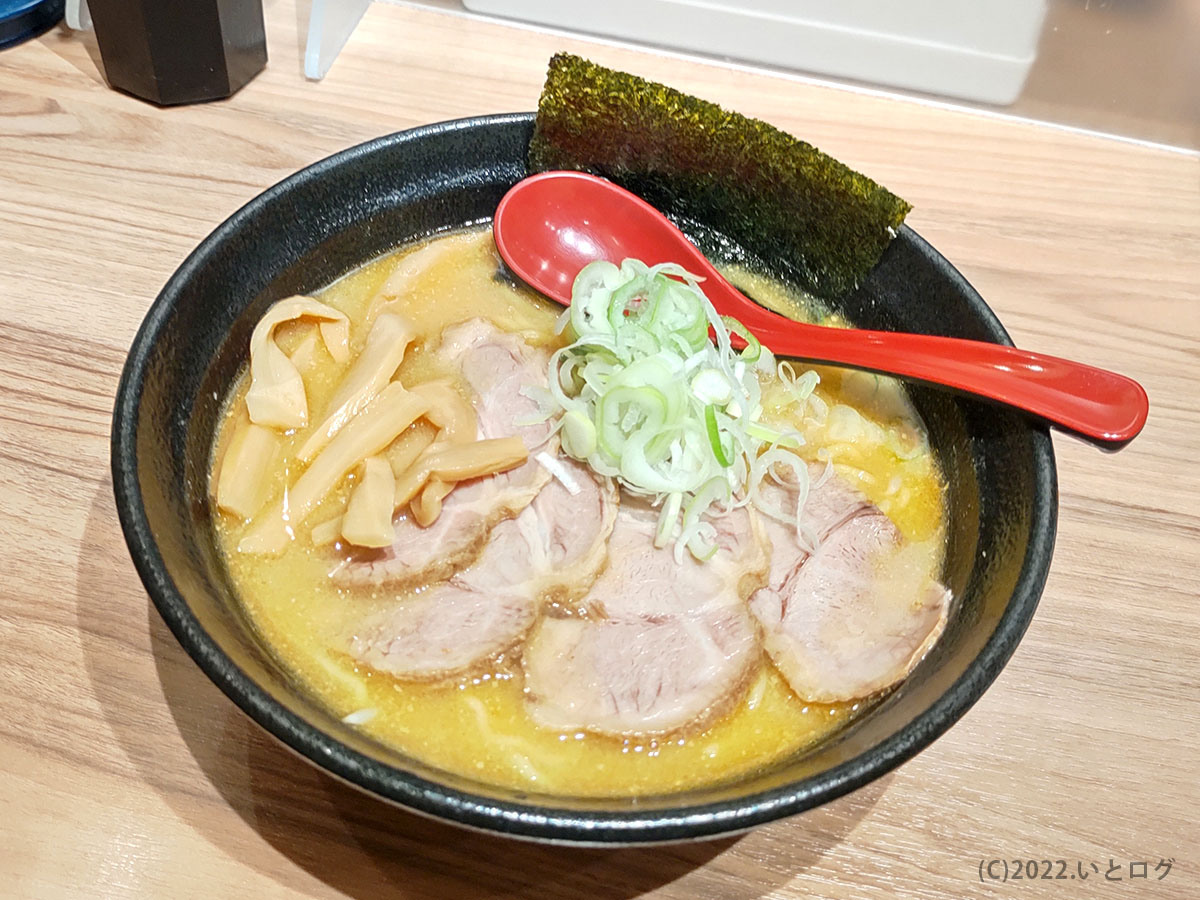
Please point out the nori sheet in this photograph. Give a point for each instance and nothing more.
(761, 187)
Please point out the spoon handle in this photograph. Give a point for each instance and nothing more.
(550, 225)
(1099, 406)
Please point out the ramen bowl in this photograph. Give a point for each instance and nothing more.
(335, 215)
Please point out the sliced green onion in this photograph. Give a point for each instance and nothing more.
(578, 434)
(714, 437)
(623, 410)
(702, 543)
(698, 539)
(645, 395)
(668, 519)
(711, 386)
(753, 348)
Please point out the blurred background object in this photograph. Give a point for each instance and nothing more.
(175, 51)
(21, 20)
(78, 16)
(956, 48)
(1129, 68)
(1126, 68)
(330, 24)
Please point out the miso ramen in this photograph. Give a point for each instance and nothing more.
(614, 552)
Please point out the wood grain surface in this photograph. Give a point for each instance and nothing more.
(125, 773)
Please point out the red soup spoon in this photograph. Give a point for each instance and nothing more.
(549, 226)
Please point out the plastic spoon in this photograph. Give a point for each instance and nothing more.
(549, 226)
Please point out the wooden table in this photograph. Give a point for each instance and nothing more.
(127, 774)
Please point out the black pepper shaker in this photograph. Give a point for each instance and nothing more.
(180, 51)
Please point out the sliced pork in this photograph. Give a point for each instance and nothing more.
(674, 645)
(423, 639)
(496, 365)
(564, 534)
(551, 552)
(855, 616)
(830, 502)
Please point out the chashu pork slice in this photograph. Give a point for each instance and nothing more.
(496, 365)
(551, 552)
(857, 614)
(674, 647)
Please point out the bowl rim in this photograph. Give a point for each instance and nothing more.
(532, 820)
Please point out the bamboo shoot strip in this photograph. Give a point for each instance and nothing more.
(326, 532)
(407, 449)
(276, 397)
(449, 411)
(368, 519)
(458, 463)
(367, 434)
(427, 505)
(242, 480)
(381, 356)
(304, 357)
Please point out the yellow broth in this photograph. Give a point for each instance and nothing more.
(478, 726)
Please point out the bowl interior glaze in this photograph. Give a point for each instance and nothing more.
(329, 218)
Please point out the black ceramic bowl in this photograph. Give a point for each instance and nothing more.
(323, 221)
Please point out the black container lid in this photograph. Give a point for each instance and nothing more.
(21, 20)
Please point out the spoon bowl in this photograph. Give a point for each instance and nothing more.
(549, 226)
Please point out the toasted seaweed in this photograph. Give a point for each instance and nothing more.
(771, 193)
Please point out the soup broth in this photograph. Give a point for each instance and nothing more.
(478, 725)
